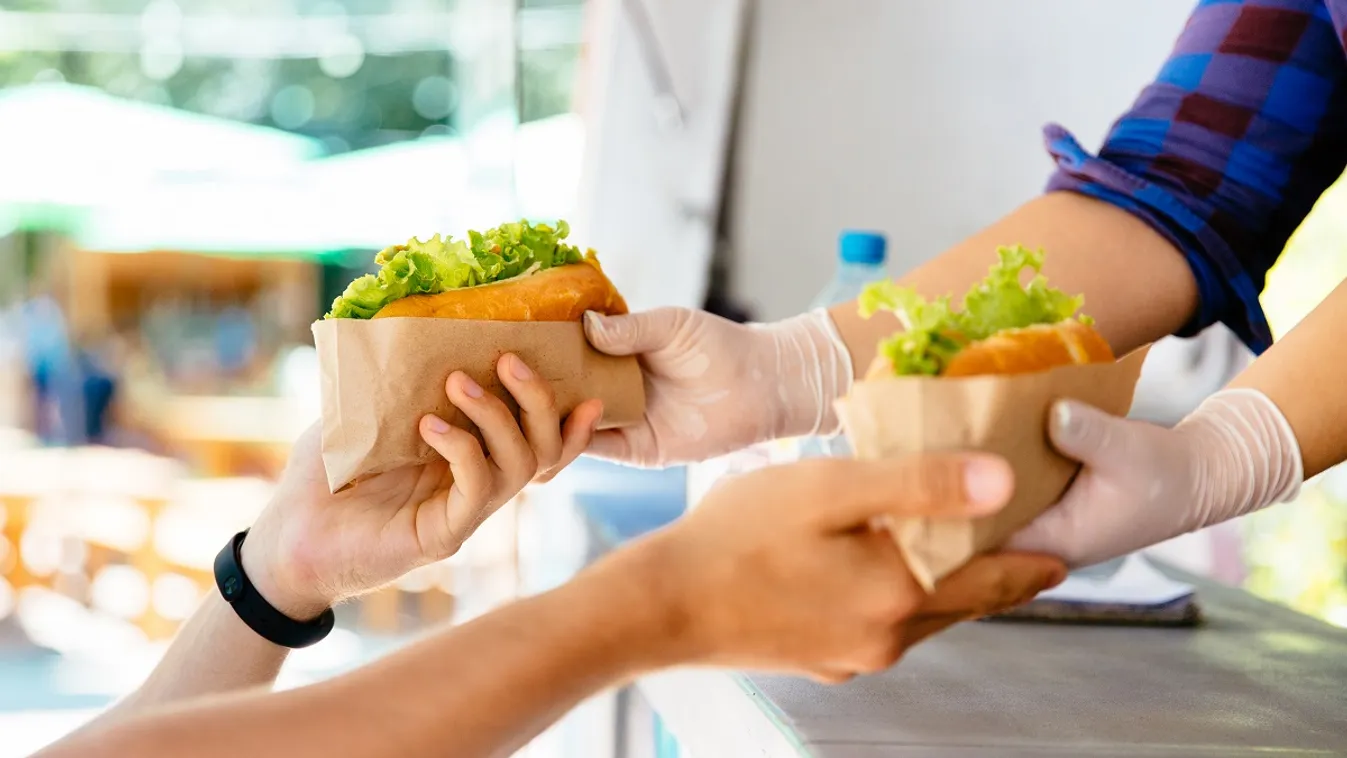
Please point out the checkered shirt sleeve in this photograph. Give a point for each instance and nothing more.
(1226, 152)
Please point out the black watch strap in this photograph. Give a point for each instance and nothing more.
(254, 609)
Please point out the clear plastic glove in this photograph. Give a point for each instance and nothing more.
(714, 386)
(1143, 484)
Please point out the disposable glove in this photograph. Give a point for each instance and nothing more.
(1142, 484)
(714, 386)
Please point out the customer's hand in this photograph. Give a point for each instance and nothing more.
(714, 386)
(310, 548)
(1142, 484)
(782, 570)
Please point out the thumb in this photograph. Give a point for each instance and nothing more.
(632, 333)
(935, 485)
(611, 445)
(1085, 433)
(633, 446)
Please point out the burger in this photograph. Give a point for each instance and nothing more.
(1003, 326)
(514, 272)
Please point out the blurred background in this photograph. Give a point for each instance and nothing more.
(184, 187)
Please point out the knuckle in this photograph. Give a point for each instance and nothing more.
(460, 446)
(896, 605)
(502, 411)
(1000, 592)
(833, 678)
(525, 467)
(548, 470)
(881, 654)
(1066, 532)
(489, 412)
(545, 464)
(474, 489)
(1005, 587)
(465, 496)
(548, 443)
(540, 398)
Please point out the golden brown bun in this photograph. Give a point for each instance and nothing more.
(1035, 348)
(563, 293)
(1021, 351)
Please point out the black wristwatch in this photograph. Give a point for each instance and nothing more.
(254, 609)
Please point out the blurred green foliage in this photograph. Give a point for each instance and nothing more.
(387, 99)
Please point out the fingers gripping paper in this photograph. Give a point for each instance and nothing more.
(1006, 415)
(379, 377)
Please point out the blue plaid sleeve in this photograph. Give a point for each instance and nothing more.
(1228, 150)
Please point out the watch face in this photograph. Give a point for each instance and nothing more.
(231, 587)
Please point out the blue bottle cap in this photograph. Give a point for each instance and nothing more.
(861, 247)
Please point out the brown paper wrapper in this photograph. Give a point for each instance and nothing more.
(379, 377)
(1007, 415)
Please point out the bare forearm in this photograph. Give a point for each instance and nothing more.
(483, 689)
(1302, 374)
(214, 652)
(1137, 286)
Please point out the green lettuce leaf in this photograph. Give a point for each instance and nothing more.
(934, 332)
(444, 263)
(1001, 302)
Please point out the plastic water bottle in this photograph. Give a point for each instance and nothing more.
(860, 261)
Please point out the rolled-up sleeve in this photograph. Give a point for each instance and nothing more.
(1228, 150)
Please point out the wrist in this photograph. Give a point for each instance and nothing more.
(274, 580)
(1247, 455)
(814, 367)
(642, 585)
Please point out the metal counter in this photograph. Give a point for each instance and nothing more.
(1257, 679)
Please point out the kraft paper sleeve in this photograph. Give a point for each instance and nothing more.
(1007, 415)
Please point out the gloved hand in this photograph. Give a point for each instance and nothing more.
(714, 386)
(1142, 484)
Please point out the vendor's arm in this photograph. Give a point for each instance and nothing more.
(1116, 260)
(1303, 376)
(1245, 448)
(1173, 226)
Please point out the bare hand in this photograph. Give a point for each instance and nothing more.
(310, 548)
(782, 570)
